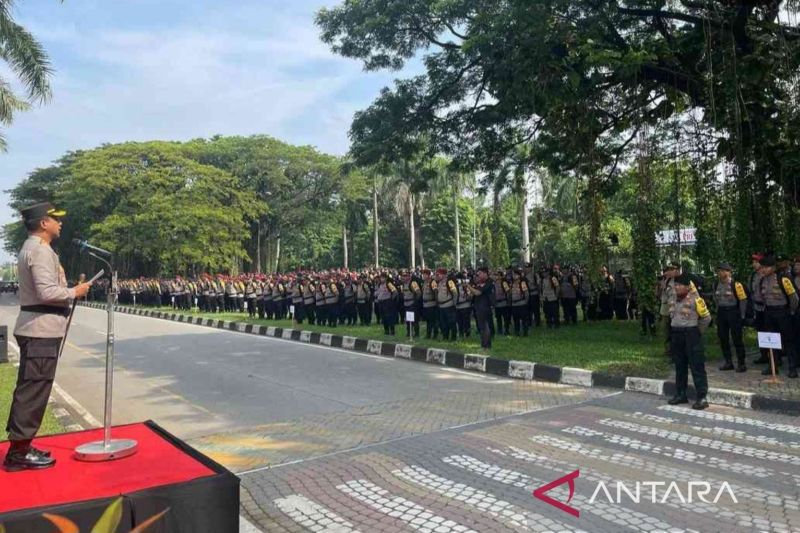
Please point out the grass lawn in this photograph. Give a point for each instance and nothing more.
(8, 378)
(612, 347)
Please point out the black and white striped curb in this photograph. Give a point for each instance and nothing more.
(479, 363)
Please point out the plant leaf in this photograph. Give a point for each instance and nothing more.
(141, 528)
(64, 525)
(111, 517)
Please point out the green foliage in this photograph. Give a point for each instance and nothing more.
(24, 56)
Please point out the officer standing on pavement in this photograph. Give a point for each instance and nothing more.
(689, 317)
(780, 305)
(41, 325)
(731, 300)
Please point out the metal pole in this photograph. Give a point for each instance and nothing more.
(107, 449)
(109, 360)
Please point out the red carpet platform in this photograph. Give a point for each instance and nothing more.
(198, 494)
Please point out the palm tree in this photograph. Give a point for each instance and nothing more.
(27, 60)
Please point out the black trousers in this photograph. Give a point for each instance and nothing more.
(570, 306)
(262, 308)
(463, 319)
(686, 346)
(535, 308)
(778, 320)
(364, 313)
(388, 315)
(621, 308)
(759, 325)
(551, 313)
(299, 312)
(334, 311)
(519, 314)
(350, 313)
(483, 319)
(729, 325)
(37, 370)
(447, 322)
(322, 314)
(431, 317)
(503, 315)
(310, 310)
(251, 306)
(606, 307)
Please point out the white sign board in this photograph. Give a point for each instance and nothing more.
(767, 339)
(291, 310)
(670, 237)
(410, 316)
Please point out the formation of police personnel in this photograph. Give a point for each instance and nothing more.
(767, 301)
(521, 298)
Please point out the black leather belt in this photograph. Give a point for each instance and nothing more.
(46, 309)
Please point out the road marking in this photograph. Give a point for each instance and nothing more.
(89, 420)
(699, 507)
(719, 417)
(246, 527)
(674, 453)
(481, 501)
(727, 432)
(415, 516)
(625, 518)
(628, 460)
(702, 441)
(313, 516)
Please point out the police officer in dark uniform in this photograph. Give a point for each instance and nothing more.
(731, 300)
(689, 317)
(780, 305)
(41, 325)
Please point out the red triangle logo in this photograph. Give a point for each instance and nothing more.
(569, 478)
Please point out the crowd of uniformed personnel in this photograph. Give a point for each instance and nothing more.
(512, 302)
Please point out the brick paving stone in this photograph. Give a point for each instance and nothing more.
(481, 476)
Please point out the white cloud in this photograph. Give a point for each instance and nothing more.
(247, 71)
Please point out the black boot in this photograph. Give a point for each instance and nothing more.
(792, 373)
(728, 365)
(21, 456)
(741, 367)
(678, 399)
(700, 404)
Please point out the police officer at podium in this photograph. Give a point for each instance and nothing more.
(41, 325)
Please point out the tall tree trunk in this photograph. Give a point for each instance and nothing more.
(412, 234)
(458, 230)
(344, 245)
(375, 243)
(525, 254)
(258, 246)
(277, 252)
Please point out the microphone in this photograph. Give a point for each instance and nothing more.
(83, 245)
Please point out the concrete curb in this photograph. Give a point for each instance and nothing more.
(481, 363)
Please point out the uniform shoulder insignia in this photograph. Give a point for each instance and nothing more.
(692, 287)
(740, 294)
(414, 286)
(391, 287)
(451, 285)
(524, 284)
(334, 288)
(433, 285)
(505, 286)
(788, 286)
(700, 306)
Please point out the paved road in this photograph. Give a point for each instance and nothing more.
(327, 440)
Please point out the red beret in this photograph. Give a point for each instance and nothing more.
(757, 257)
(441, 271)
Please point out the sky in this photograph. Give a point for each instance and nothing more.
(175, 70)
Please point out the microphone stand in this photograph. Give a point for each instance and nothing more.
(108, 449)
